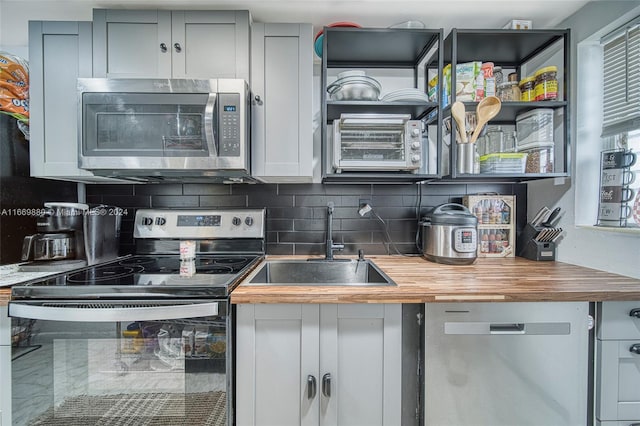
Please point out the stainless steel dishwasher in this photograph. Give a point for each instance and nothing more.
(506, 364)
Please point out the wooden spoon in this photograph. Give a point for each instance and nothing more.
(458, 113)
(487, 109)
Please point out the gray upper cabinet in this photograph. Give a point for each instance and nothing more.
(171, 44)
(282, 109)
(59, 53)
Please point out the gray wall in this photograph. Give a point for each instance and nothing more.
(296, 213)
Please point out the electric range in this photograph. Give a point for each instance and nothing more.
(140, 331)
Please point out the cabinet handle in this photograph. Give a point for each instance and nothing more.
(177, 47)
(634, 424)
(635, 349)
(163, 47)
(326, 385)
(311, 387)
(258, 100)
(635, 313)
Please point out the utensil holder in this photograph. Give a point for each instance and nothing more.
(531, 249)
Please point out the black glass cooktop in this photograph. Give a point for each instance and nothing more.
(143, 275)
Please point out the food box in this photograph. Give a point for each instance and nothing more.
(496, 223)
(469, 82)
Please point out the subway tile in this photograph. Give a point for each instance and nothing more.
(301, 225)
(301, 189)
(364, 189)
(370, 249)
(94, 199)
(308, 249)
(110, 189)
(262, 189)
(177, 201)
(359, 224)
(158, 189)
(315, 200)
(353, 237)
(498, 188)
(271, 200)
(206, 189)
(444, 189)
(275, 225)
(387, 201)
(290, 213)
(271, 237)
(395, 212)
(137, 201)
(301, 237)
(223, 200)
(397, 189)
(280, 249)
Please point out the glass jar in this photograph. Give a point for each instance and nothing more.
(526, 89)
(497, 74)
(495, 140)
(508, 91)
(546, 88)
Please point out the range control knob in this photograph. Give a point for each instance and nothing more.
(415, 133)
(236, 221)
(415, 145)
(248, 220)
(415, 158)
(147, 221)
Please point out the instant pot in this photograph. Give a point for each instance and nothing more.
(450, 235)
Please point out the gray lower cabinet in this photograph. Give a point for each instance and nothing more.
(171, 44)
(5, 367)
(309, 364)
(617, 379)
(506, 364)
(59, 53)
(282, 111)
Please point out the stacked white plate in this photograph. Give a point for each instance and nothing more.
(406, 95)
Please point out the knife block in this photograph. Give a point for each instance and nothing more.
(532, 249)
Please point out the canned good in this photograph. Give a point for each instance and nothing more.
(526, 89)
(546, 86)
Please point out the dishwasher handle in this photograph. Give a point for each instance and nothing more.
(507, 328)
(105, 312)
(500, 328)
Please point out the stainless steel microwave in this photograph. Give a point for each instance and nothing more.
(158, 129)
(377, 142)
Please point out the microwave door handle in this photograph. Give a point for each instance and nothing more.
(115, 314)
(209, 110)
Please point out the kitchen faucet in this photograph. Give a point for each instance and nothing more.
(330, 246)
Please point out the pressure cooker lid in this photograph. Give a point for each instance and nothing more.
(452, 214)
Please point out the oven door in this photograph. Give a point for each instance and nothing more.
(377, 142)
(121, 362)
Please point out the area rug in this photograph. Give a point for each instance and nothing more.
(148, 409)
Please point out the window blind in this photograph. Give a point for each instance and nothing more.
(622, 80)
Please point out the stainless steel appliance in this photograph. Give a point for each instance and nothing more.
(377, 142)
(158, 129)
(134, 341)
(450, 235)
(71, 235)
(506, 364)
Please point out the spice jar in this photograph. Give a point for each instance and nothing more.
(512, 76)
(526, 89)
(497, 74)
(546, 86)
(509, 91)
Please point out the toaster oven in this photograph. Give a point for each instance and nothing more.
(377, 142)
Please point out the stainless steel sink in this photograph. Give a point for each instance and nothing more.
(319, 272)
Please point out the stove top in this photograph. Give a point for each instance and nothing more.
(227, 242)
(134, 276)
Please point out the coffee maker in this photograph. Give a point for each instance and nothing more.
(72, 235)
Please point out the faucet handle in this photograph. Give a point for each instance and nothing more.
(360, 255)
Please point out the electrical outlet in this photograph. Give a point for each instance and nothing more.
(364, 201)
(364, 207)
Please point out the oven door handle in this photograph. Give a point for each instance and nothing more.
(209, 111)
(104, 313)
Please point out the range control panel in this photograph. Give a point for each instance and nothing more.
(199, 224)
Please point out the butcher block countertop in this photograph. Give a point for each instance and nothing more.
(487, 280)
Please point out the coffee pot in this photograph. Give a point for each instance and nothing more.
(74, 231)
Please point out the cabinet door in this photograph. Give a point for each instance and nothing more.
(361, 351)
(282, 117)
(210, 44)
(277, 356)
(618, 375)
(59, 53)
(132, 43)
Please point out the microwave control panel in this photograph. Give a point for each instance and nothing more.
(229, 132)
